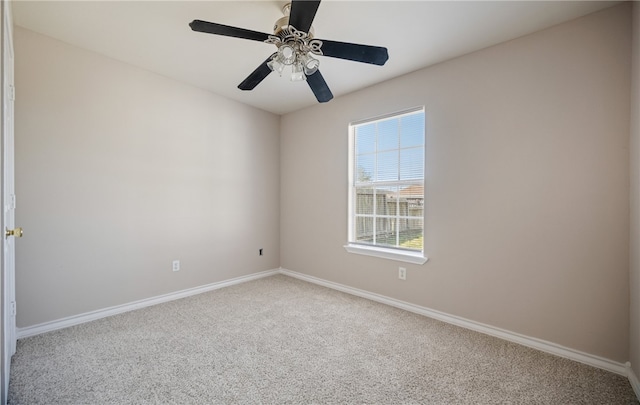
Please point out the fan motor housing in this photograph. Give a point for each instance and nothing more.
(283, 24)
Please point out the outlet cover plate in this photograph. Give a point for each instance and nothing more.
(402, 273)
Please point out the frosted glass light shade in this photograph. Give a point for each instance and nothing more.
(297, 73)
(276, 66)
(286, 54)
(310, 64)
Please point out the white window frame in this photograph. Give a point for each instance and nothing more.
(371, 250)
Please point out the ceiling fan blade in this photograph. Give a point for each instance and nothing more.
(256, 76)
(375, 55)
(319, 87)
(226, 30)
(302, 14)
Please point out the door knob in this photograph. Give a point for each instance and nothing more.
(13, 232)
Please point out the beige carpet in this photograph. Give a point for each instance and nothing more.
(280, 340)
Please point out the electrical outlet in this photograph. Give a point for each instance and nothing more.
(402, 273)
(176, 265)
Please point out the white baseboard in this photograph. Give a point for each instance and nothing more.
(118, 309)
(532, 342)
(633, 379)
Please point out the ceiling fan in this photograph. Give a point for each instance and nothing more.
(293, 36)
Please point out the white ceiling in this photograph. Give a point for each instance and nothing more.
(155, 35)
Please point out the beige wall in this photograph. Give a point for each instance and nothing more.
(119, 171)
(527, 186)
(634, 276)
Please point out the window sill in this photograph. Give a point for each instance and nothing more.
(391, 254)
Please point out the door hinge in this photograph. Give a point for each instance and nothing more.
(12, 93)
(13, 308)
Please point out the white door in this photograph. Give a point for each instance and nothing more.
(8, 230)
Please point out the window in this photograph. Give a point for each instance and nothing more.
(386, 177)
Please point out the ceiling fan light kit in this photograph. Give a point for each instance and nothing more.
(294, 37)
(294, 48)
